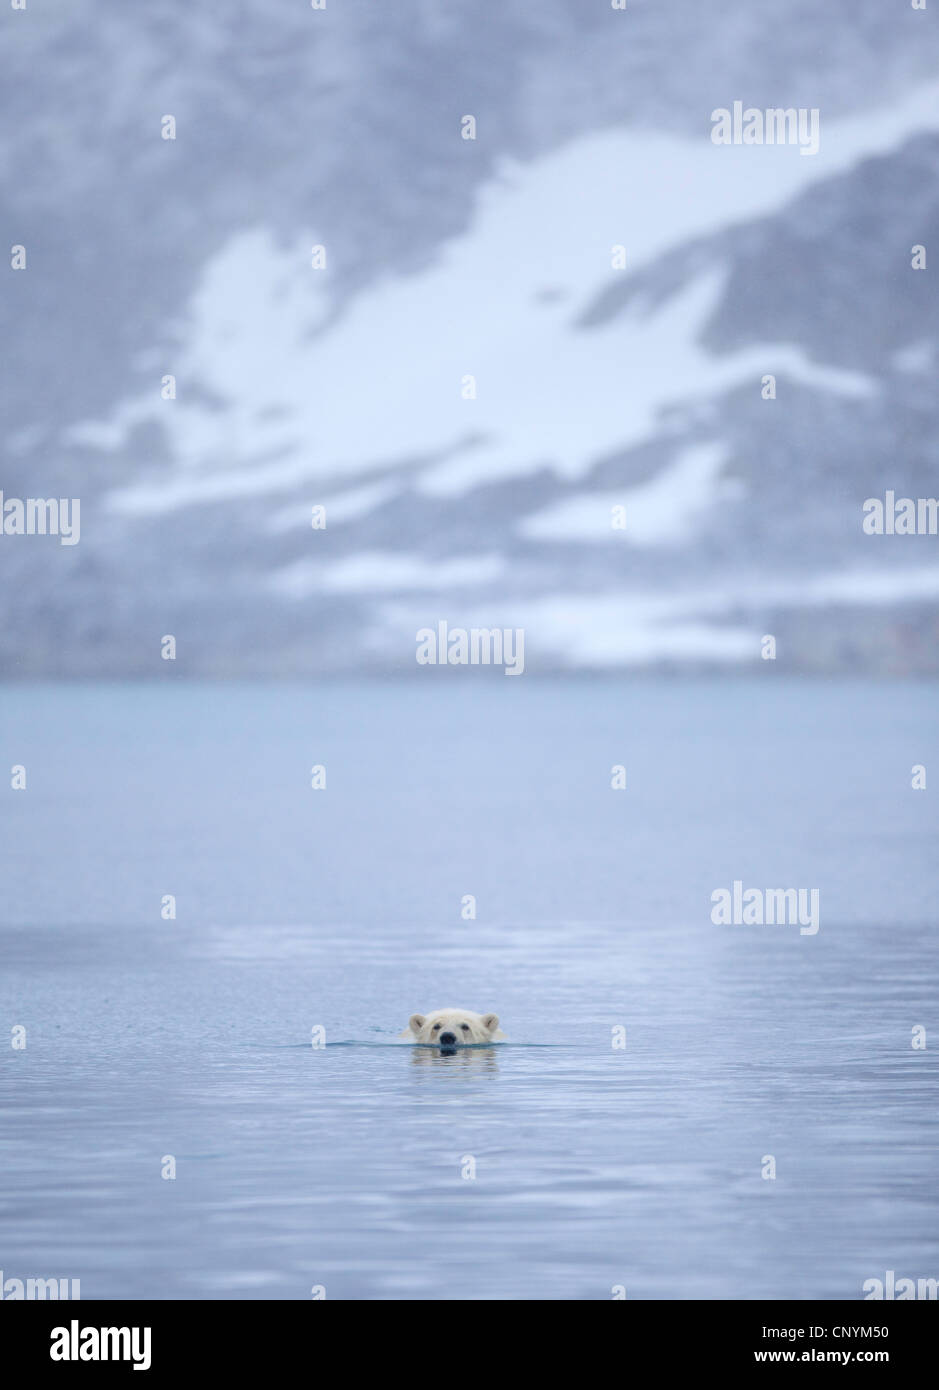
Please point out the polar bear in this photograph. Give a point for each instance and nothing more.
(453, 1028)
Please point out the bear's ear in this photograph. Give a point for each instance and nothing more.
(416, 1022)
(490, 1022)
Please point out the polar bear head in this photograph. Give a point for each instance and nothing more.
(453, 1027)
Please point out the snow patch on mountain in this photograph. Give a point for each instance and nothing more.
(378, 572)
(621, 629)
(303, 396)
(662, 511)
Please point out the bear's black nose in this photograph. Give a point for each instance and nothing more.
(448, 1038)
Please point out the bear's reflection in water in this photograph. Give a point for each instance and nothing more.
(476, 1057)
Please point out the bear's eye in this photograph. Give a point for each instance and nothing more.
(436, 1026)
(465, 1027)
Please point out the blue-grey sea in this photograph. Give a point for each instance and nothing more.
(658, 1067)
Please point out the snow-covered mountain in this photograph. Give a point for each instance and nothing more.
(529, 385)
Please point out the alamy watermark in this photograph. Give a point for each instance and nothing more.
(766, 907)
(904, 516)
(13, 1289)
(41, 516)
(475, 646)
(891, 1289)
(775, 126)
(77, 1343)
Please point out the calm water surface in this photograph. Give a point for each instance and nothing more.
(595, 1166)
